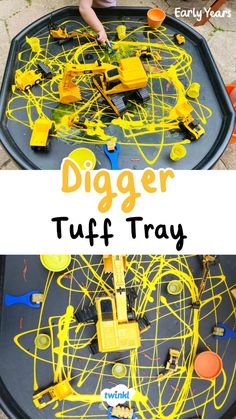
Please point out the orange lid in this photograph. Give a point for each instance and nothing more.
(208, 365)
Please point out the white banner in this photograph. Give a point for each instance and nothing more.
(196, 213)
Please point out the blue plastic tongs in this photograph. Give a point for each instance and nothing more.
(25, 299)
(228, 333)
(113, 156)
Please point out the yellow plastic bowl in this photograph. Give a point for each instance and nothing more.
(178, 152)
(119, 370)
(174, 287)
(84, 157)
(42, 341)
(55, 263)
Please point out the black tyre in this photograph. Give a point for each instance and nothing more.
(142, 95)
(118, 102)
(131, 297)
(143, 323)
(86, 315)
(53, 129)
(27, 88)
(94, 347)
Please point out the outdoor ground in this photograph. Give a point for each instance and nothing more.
(219, 32)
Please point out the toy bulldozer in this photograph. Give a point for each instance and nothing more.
(117, 327)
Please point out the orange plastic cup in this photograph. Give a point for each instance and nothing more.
(231, 89)
(155, 18)
(208, 365)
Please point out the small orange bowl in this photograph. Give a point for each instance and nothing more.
(208, 365)
(155, 17)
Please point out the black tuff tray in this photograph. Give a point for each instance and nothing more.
(201, 154)
(21, 274)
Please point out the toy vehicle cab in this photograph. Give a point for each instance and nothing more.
(27, 79)
(172, 363)
(40, 135)
(45, 70)
(180, 39)
(120, 411)
(192, 130)
(57, 392)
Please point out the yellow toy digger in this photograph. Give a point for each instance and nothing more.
(116, 83)
(192, 129)
(52, 394)
(117, 327)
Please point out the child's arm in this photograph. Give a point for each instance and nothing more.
(92, 20)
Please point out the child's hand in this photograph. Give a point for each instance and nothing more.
(102, 37)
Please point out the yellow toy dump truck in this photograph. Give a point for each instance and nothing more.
(117, 84)
(27, 79)
(42, 129)
(56, 392)
(117, 327)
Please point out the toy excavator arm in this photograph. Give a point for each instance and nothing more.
(120, 290)
(69, 92)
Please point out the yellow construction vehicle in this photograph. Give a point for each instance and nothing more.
(146, 52)
(180, 39)
(117, 327)
(117, 84)
(69, 92)
(43, 127)
(192, 129)
(206, 261)
(27, 79)
(172, 363)
(62, 33)
(59, 391)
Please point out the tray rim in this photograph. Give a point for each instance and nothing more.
(206, 163)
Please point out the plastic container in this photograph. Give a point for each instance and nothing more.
(174, 287)
(155, 18)
(194, 90)
(84, 157)
(208, 365)
(231, 89)
(119, 370)
(55, 263)
(42, 341)
(34, 43)
(178, 152)
(121, 32)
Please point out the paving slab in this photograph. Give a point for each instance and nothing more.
(227, 23)
(222, 45)
(4, 47)
(229, 157)
(10, 7)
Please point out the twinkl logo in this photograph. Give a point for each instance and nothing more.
(117, 395)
